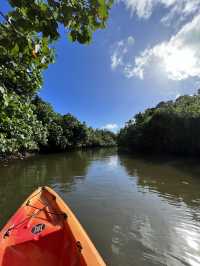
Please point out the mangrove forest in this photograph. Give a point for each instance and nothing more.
(171, 127)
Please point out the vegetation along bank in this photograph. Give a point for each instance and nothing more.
(27, 31)
(171, 127)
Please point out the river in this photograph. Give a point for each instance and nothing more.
(138, 211)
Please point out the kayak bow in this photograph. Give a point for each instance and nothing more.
(44, 231)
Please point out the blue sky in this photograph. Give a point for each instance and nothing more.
(148, 53)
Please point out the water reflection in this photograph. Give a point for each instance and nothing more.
(138, 211)
(170, 231)
(19, 178)
(173, 178)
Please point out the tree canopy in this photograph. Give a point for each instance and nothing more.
(170, 127)
(80, 17)
(65, 132)
(30, 27)
(27, 33)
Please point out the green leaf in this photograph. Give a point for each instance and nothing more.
(15, 50)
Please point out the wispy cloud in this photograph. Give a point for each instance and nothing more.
(180, 11)
(179, 57)
(111, 127)
(119, 50)
(144, 8)
(116, 60)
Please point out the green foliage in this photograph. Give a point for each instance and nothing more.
(74, 131)
(19, 128)
(56, 140)
(20, 69)
(44, 111)
(80, 18)
(171, 127)
(31, 26)
(30, 126)
(66, 132)
(26, 35)
(101, 138)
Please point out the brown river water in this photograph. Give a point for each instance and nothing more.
(137, 210)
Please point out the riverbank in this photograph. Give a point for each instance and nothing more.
(26, 155)
(18, 156)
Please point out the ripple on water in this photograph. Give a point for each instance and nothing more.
(138, 212)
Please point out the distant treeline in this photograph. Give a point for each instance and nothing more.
(66, 132)
(33, 125)
(171, 127)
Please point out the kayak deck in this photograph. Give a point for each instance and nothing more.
(44, 231)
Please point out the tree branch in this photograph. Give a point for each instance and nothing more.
(10, 23)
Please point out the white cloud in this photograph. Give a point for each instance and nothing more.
(143, 8)
(116, 60)
(179, 57)
(119, 50)
(180, 11)
(112, 127)
(175, 8)
(137, 69)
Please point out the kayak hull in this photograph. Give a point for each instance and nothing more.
(44, 231)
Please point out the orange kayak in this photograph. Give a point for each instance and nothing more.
(44, 231)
